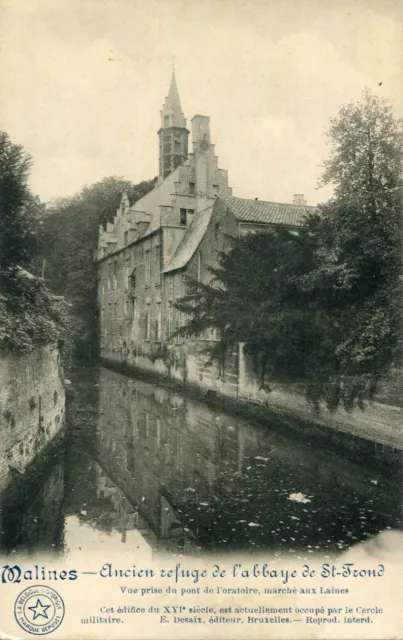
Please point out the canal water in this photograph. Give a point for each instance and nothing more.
(144, 467)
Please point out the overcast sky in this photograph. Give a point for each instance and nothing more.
(83, 81)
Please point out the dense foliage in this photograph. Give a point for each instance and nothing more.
(68, 238)
(33, 316)
(268, 311)
(29, 314)
(17, 206)
(323, 307)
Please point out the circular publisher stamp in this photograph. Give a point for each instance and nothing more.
(39, 610)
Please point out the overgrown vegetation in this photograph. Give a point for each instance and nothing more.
(323, 307)
(33, 316)
(51, 248)
(18, 208)
(29, 314)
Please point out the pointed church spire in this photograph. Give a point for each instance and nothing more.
(172, 114)
(173, 135)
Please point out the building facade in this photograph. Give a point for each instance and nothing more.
(178, 229)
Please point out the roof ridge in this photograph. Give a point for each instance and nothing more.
(285, 204)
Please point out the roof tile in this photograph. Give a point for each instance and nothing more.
(268, 212)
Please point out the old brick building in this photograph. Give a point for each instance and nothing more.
(178, 228)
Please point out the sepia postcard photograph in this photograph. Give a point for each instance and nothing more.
(201, 274)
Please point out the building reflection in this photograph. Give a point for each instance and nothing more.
(205, 480)
(149, 469)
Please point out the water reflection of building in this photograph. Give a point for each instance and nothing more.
(204, 479)
(149, 470)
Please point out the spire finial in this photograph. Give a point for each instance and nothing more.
(172, 106)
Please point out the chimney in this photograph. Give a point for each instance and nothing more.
(298, 198)
(201, 132)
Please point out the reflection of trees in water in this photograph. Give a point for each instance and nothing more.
(149, 459)
(229, 482)
(32, 511)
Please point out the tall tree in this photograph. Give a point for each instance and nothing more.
(30, 315)
(255, 297)
(324, 307)
(17, 205)
(358, 274)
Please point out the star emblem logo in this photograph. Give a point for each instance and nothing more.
(39, 610)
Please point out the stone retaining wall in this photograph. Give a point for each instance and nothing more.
(32, 408)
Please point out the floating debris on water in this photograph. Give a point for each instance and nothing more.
(299, 497)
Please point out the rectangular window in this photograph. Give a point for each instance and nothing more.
(132, 282)
(184, 283)
(134, 311)
(199, 266)
(183, 217)
(216, 189)
(217, 230)
(115, 274)
(126, 238)
(127, 270)
(157, 269)
(169, 321)
(158, 323)
(170, 287)
(134, 319)
(147, 323)
(166, 121)
(147, 275)
(192, 188)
